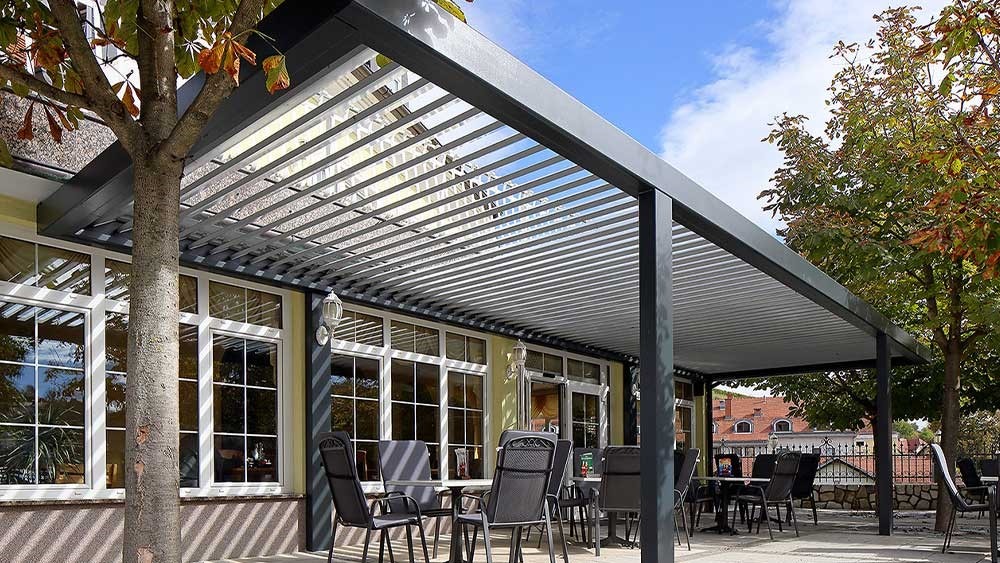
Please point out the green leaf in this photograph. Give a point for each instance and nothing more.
(6, 160)
(946, 83)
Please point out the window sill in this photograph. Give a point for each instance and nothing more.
(120, 500)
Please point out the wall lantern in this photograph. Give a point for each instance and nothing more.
(517, 372)
(333, 313)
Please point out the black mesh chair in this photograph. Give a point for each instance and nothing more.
(620, 490)
(578, 497)
(974, 487)
(555, 493)
(958, 502)
(778, 492)
(351, 505)
(518, 497)
(990, 468)
(409, 460)
(802, 489)
(762, 468)
(682, 484)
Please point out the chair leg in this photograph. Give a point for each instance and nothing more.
(562, 532)
(949, 534)
(515, 544)
(767, 518)
(812, 502)
(548, 533)
(423, 543)
(486, 540)
(333, 542)
(368, 541)
(595, 530)
(795, 520)
(472, 544)
(687, 532)
(381, 546)
(437, 535)
(409, 543)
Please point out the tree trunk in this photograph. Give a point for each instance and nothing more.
(152, 507)
(950, 414)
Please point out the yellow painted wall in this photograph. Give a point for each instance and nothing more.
(616, 418)
(17, 212)
(503, 396)
(297, 343)
(699, 432)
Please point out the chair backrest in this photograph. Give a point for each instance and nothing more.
(597, 454)
(783, 478)
(763, 466)
(806, 476)
(970, 476)
(728, 465)
(678, 464)
(407, 460)
(620, 481)
(688, 467)
(941, 466)
(559, 464)
(990, 468)
(337, 453)
(521, 479)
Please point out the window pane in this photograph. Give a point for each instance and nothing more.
(230, 456)
(426, 341)
(552, 364)
(402, 422)
(116, 342)
(474, 391)
(574, 369)
(228, 401)
(17, 455)
(579, 407)
(188, 460)
(342, 375)
(456, 426)
(592, 415)
(366, 374)
(60, 397)
(454, 346)
(428, 386)
(342, 415)
(367, 421)
(115, 461)
(60, 338)
(427, 423)
(188, 403)
(17, 333)
(263, 308)
(17, 261)
(63, 270)
(60, 456)
(263, 462)
(533, 361)
(591, 372)
(579, 436)
(187, 360)
(401, 335)
(473, 427)
(262, 408)
(187, 294)
(227, 302)
(366, 454)
(117, 276)
(456, 389)
(227, 359)
(262, 358)
(402, 380)
(346, 330)
(476, 350)
(17, 393)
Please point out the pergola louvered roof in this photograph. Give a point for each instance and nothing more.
(459, 185)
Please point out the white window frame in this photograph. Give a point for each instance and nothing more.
(570, 386)
(736, 426)
(774, 426)
(95, 307)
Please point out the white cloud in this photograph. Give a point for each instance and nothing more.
(715, 137)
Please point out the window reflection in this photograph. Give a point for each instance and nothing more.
(118, 276)
(465, 424)
(416, 409)
(244, 305)
(355, 408)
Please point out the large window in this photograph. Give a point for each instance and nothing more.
(545, 364)
(408, 337)
(244, 305)
(42, 393)
(245, 408)
(586, 421)
(465, 422)
(465, 348)
(415, 405)
(116, 365)
(354, 386)
(585, 372)
(44, 266)
(360, 328)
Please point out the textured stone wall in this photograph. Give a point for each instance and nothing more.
(862, 497)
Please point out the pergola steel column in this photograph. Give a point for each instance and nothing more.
(656, 375)
(630, 421)
(883, 434)
(319, 501)
(706, 452)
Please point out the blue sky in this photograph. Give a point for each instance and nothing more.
(696, 82)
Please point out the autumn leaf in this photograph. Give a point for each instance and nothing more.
(276, 73)
(26, 133)
(210, 60)
(128, 98)
(244, 53)
(54, 129)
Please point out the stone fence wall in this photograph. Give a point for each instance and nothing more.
(862, 497)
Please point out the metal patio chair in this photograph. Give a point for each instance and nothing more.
(681, 486)
(778, 492)
(353, 510)
(409, 460)
(959, 503)
(620, 490)
(518, 497)
(974, 487)
(802, 489)
(762, 468)
(554, 495)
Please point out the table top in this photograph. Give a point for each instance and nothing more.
(444, 484)
(587, 479)
(988, 479)
(744, 480)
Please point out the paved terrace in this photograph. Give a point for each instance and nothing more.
(840, 538)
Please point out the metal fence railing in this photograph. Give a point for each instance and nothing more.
(853, 464)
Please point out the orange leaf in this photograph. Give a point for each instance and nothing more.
(246, 54)
(26, 133)
(54, 128)
(210, 60)
(129, 100)
(276, 73)
(231, 64)
(62, 119)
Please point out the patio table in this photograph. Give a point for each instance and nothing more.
(457, 488)
(726, 484)
(592, 483)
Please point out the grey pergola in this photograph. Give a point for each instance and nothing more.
(457, 184)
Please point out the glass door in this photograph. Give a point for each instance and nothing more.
(546, 407)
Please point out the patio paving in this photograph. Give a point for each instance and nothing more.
(841, 537)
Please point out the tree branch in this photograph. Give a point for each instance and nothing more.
(43, 88)
(216, 88)
(97, 89)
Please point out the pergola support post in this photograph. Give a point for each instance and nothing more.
(656, 375)
(631, 414)
(319, 501)
(709, 421)
(883, 435)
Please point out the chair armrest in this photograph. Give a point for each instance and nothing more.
(980, 488)
(398, 495)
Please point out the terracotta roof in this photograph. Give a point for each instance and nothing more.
(761, 412)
